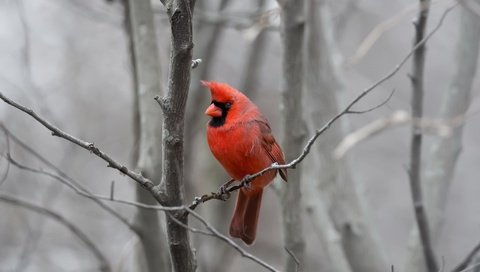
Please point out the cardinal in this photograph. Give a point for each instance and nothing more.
(240, 138)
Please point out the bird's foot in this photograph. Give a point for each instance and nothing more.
(247, 183)
(223, 192)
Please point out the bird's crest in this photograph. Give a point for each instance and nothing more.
(222, 92)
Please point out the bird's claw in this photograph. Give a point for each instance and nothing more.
(247, 185)
(222, 193)
(223, 190)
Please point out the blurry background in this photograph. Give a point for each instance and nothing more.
(69, 61)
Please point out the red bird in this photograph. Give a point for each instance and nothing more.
(240, 138)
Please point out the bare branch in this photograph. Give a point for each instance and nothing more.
(62, 177)
(146, 183)
(295, 259)
(440, 127)
(104, 264)
(375, 107)
(416, 138)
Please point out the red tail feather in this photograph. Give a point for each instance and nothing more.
(245, 217)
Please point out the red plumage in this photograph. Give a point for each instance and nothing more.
(240, 138)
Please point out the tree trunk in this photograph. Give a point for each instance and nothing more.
(180, 13)
(336, 186)
(147, 131)
(255, 59)
(292, 31)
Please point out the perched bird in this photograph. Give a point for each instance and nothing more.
(240, 138)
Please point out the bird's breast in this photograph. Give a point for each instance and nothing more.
(240, 152)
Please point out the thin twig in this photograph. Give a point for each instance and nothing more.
(104, 264)
(348, 110)
(375, 107)
(295, 259)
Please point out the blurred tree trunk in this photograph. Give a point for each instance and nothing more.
(147, 131)
(444, 152)
(292, 32)
(336, 186)
(320, 96)
(255, 58)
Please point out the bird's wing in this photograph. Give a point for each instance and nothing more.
(270, 145)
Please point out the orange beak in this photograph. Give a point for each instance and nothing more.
(213, 111)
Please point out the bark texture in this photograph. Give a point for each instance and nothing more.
(173, 106)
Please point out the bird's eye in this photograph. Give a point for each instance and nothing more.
(228, 105)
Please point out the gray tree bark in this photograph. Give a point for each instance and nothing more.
(444, 152)
(292, 32)
(180, 13)
(337, 188)
(147, 153)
